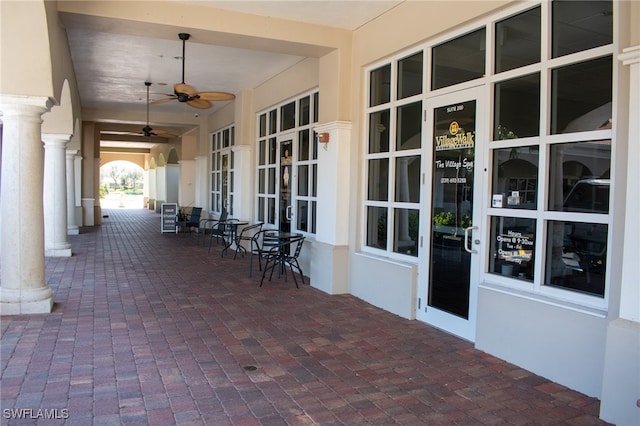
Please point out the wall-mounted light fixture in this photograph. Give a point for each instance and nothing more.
(323, 138)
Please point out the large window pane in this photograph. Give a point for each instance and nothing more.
(409, 126)
(517, 108)
(305, 109)
(576, 256)
(459, 60)
(579, 177)
(379, 131)
(407, 223)
(408, 179)
(263, 125)
(581, 25)
(380, 89)
(515, 177)
(377, 227)
(582, 97)
(518, 40)
(288, 116)
(410, 76)
(303, 145)
(378, 179)
(302, 215)
(303, 180)
(512, 247)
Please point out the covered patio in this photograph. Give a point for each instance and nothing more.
(149, 328)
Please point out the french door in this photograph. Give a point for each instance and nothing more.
(286, 182)
(450, 267)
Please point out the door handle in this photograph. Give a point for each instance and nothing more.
(467, 239)
(289, 212)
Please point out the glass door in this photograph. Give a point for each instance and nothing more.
(286, 145)
(451, 261)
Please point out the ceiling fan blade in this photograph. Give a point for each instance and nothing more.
(216, 96)
(185, 88)
(164, 134)
(162, 101)
(200, 103)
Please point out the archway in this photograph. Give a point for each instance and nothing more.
(121, 185)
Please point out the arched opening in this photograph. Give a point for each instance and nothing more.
(121, 185)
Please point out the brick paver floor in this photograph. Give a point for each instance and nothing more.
(151, 329)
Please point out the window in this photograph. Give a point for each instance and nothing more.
(222, 170)
(297, 116)
(567, 231)
(394, 166)
(550, 151)
(459, 60)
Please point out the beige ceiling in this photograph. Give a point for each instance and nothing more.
(112, 62)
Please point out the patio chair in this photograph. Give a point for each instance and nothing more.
(260, 245)
(282, 255)
(190, 219)
(248, 234)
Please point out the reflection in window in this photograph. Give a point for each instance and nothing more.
(512, 247)
(408, 179)
(409, 126)
(515, 176)
(407, 222)
(459, 60)
(518, 40)
(380, 86)
(582, 96)
(377, 227)
(378, 179)
(581, 25)
(517, 108)
(302, 215)
(576, 256)
(379, 131)
(579, 177)
(410, 76)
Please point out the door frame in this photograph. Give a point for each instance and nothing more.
(464, 328)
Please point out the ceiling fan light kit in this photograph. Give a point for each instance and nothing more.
(182, 92)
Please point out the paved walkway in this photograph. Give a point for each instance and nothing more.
(151, 329)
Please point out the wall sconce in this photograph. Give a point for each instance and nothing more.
(323, 138)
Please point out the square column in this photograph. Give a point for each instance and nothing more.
(23, 288)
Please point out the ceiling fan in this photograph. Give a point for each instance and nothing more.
(147, 130)
(186, 93)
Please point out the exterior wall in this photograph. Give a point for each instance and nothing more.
(564, 345)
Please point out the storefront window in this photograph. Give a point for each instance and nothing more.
(581, 25)
(379, 131)
(515, 178)
(407, 224)
(517, 108)
(581, 96)
(380, 88)
(377, 227)
(576, 256)
(579, 177)
(409, 126)
(518, 40)
(512, 247)
(378, 179)
(459, 60)
(410, 76)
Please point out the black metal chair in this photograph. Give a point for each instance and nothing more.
(284, 254)
(248, 234)
(189, 220)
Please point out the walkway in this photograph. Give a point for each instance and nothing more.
(151, 329)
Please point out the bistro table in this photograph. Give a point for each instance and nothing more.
(231, 233)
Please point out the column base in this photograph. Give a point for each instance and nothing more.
(73, 230)
(26, 301)
(329, 268)
(59, 252)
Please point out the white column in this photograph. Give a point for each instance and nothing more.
(56, 243)
(23, 288)
(620, 400)
(243, 185)
(72, 226)
(330, 254)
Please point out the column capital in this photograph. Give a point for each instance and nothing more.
(332, 125)
(56, 139)
(71, 153)
(21, 104)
